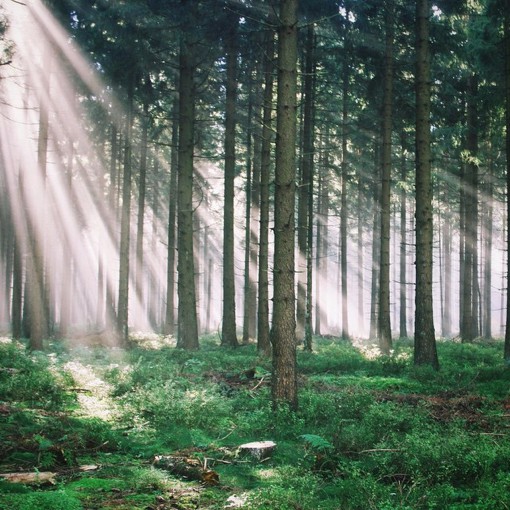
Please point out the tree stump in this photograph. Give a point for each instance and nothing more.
(259, 450)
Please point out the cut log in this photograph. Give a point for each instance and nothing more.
(259, 450)
(42, 477)
(187, 467)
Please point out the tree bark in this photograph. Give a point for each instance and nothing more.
(425, 352)
(469, 322)
(403, 243)
(507, 143)
(229, 330)
(169, 326)
(383, 316)
(305, 194)
(263, 341)
(187, 311)
(283, 330)
(487, 252)
(125, 225)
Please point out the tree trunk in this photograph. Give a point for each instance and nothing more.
(187, 311)
(142, 186)
(283, 330)
(469, 322)
(425, 352)
(507, 142)
(263, 341)
(403, 243)
(383, 316)
(343, 198)
(229, 330)
(248, 285)
(125, 225)
(376, 245)
(305, 194)
(487, 252)
(360, 199)
(169, 326)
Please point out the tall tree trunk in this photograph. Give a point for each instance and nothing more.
(125, 225)
(263, 341)
(187, 311)
(305, 194)
(447, 271)
(17, 290)
(376, 245)
(248, 286)
(360, 199)
(35, 264)
(487, 252)
(507, 143)
(229, 330)
(403, 242)
(343, 195)
(169, 326)
(142, 187)
(425, 351)
(383, 316)
(283, 330)
(469, 323)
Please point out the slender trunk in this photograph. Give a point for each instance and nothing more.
(142, 186)
(187, 311)
(383, 316)
(305, 186)
(229, 330)
(125, 225)
(263, 341)
(283, 330)
(469, 297)
(343, 200)
(360, 199)
(447, 270)
(249, 297)
(425, 351)
(487, 252)
(507, 142)
(169, 326)
(376, 245)
(403, 243)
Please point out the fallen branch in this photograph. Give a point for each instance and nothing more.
(42, 477)
(186, 467)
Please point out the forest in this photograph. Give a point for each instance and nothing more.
(226, 222)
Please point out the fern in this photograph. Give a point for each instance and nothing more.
(316, 442)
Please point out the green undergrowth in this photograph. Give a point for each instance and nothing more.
(371, 432)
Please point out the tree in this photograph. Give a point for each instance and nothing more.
(506, 37)
(425, 352)
(229, 330)
(383, 316)
(263, 334)
(283, 330)
(303, 330)
(187, 332)
(125, 224)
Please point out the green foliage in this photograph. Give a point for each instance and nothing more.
(370, 432)
(49, 500)
(30, 378)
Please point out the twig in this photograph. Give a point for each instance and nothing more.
(258, 384)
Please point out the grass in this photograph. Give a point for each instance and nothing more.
(371, 432)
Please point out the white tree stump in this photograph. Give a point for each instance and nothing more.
(259, 450)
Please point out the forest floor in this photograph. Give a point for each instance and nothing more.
(155, 428)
